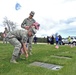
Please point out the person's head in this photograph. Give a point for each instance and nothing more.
(32, 31)
(5, 28)
(31, 14)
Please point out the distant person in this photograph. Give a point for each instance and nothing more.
(60, 40)
(18, 39)
(4, 35)
(35, 39)
(69, 40)
(57, 40)
(48, 39)
(52, 40)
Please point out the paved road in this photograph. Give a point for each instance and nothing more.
(33, 43)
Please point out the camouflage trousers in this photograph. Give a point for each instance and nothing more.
(17, 46)
(4, 40)
(30, 39)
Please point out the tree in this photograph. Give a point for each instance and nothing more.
(10, 24)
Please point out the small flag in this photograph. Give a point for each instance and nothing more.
(37, 25)
(56, 46)
(17, 6)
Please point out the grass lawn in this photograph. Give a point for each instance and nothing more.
(41, 53)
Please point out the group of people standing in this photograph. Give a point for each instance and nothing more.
(51, 40)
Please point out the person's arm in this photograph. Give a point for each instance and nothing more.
(23, 25)
(25, 49)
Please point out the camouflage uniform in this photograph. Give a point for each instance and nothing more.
(28, 22)
(16, 38)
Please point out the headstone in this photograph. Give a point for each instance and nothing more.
(61, 57)
(46, 65)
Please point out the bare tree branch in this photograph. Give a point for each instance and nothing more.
(10, 24)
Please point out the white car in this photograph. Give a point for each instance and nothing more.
(73, 40)
(65, 40)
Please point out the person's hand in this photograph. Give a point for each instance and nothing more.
(27, 27)
(26, 55)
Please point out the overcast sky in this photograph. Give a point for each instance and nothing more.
(54, 16)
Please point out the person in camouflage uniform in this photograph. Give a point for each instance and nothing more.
(18, 39)
(26, 24)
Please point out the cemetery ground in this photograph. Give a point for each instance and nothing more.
(64, 56)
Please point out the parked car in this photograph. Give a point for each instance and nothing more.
(65, 40)
(73, 40)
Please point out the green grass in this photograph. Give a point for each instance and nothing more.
(42, 53)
